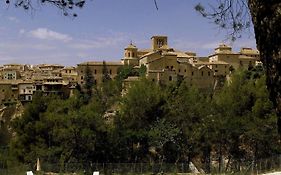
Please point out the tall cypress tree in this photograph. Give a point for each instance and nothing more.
(105, 74)
(89, 81)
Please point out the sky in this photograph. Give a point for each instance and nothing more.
(103, 29)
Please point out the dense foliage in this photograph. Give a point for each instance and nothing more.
(151, 123)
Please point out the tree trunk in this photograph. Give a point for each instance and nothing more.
(266, 16)
(207, 159)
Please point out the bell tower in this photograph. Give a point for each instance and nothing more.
(158, 41)
(131, 51)
(130, 55)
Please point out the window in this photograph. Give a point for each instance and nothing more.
(192, 73)
(170, 78)
(172, 67)
(95, 71)
(133, 54)
(110, 72)
(82, 77)
(209, 74)
(179, 70)
(167, 67)
(216, 66)
(160, 42)
(202, 73)
(153, 79)
(184, 70)
(129, 54)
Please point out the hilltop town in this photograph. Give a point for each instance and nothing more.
(18, 82)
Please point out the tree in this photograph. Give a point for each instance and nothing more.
(265, 17)
(242, 126)
(140, 108)
(89, 83)
(189, 109)
(105, 74)
(66, 6)
(27, 128)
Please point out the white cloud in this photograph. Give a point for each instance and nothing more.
(12, 18)
(22, 31)
(47, 34)
(187, 44)
(100, 42)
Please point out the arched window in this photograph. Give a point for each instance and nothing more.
(170, 78)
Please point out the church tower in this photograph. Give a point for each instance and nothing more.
(159, 41)
(130, 55)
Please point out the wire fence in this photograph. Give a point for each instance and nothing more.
(235, 167)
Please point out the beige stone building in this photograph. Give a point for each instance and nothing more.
(20, 82)
(165, 64)
(97, 70)
(69, 74)
(8, 91)
(26, 90)
(243, 59)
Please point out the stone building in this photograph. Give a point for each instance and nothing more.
(97, 69)
(163, 64)
(243, 59)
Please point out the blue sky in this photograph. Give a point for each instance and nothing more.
(102, 29)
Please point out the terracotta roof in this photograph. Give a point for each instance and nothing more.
(247, 57)
(247, 50)
(131, 46)
(69, 67)
(129, 58)
(16, 81)
(145, 50)
(100, 63)
(211, 63)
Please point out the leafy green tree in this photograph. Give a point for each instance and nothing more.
(139, 109)
(244, 118)
(142, 71)
(161, 135)
(188, 108)
(29, 130)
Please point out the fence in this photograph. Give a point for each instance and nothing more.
(258, 167)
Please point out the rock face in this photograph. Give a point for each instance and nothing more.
(7, 114)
